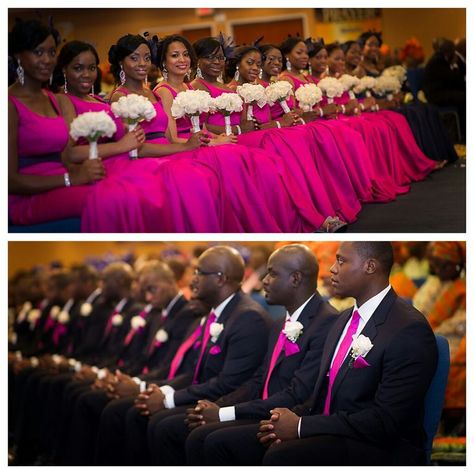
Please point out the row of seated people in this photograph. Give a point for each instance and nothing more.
(232, 387)
(279, 171)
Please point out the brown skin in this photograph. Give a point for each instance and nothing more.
(38, 66)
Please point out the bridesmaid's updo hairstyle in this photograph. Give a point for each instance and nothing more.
(205, 47)
(267, 47)
(368, 34)
(347, 45)
(287, 46)
(239, 53)
(68, 52)
(314, 47)
(125, 46)
(164, 44)
(333, 46)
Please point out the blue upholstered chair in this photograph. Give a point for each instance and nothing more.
(435, 395)
(72, 224)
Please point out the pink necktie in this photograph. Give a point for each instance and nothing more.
(182, 350)
(205, 339)
(340, 356)
(276, 352)
(108, 327)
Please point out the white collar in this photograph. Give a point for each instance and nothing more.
(296, 314)
(368, 308)
(220, 307)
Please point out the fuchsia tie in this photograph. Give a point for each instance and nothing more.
(276, 352)
(340, 356)
(182, 350)
(108, 327)
(205, 339)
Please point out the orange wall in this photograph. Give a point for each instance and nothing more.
(103, 26)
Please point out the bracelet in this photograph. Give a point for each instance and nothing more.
(377, 108)
(239, 130)
(301, 119)
(321, 112)
(343, 108)
(67, 180)
(278, 124)
(362, 106)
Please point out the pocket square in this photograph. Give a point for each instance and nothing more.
(215, 350)
(291, 348)
(360, 363)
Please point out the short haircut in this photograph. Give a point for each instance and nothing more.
(380, 251)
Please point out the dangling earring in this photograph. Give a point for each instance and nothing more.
(198, 72)
(237, 75)
(310, 70)
(164, 72)
(288, 65)
(20, 72)
(51, 80)
(187, 76)
(92, 90)
(260, 74)
(146, 80)
(65, 83)
(122, 76)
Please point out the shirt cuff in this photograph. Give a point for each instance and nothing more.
(169, 400)
(165, 389)
(299, 427)
(227, 414)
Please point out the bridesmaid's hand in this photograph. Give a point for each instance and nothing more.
(330, 110)
(223, 139)
(87, 172)
(247, 126)
(289, 119)
(132, 140)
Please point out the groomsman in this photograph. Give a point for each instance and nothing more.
(367, 406)
(287, 376)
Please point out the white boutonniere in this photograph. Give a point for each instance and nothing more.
(117, 320)
(293, 330)
(63, 317)
(138, 322)
(33, 315)
(86, 309)
(215, 331)
(361, 346)
(161, 336)
(54, 312)
(25, 309)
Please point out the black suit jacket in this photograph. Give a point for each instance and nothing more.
(382, 403)
(293, 377)
(242, 344)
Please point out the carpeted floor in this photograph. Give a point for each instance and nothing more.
(437, 204)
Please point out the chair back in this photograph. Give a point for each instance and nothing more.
(434, 398)
(415, 80)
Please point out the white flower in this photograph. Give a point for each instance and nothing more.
(387, 85)
(13, 338)
(215, 330)
(18, 355)
(27, 306)
(63, 317)
(57, 359)
(92, 125)
(34, 361)
(397, 71)
(72, 362)
(366, 83)
(278, 91)
(134, 108)
(77, 366)
(117, 320)
(191, 102)
(54, 312)
(137, 322)
(360, 347)
(33, 315)
(348, 81)
(227, 103)
(308, 95)
(86, 309)
(102, 373)
(161, 335)
(293, 330)
(253, 93)
(331, 87)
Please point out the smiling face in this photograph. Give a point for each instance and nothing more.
(319, 62)
(250, 65)
(299, 56)
(212, 66)
(371, 48)
(336, 62)
(39, 63)
(273, 62)
(177, 59)
(137, 64)
(81, 73)
(354, 55)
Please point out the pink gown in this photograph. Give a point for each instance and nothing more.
(254, 187)
(293, 153)
(40, 143)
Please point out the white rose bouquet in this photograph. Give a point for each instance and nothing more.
(192, 104)
(215, 331)
(331, 88)
(227, 104)
(252, 94)
(134, 108)
(92, 126)
(387, 85)
(349, 83)
(396, 71)
(308, 95)
(280, 92)
(293, 330)
(365, 85)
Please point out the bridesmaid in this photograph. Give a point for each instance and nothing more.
(40, 187)
(353, 55)
(275, 144)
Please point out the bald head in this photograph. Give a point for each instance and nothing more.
(226, 260)
(159, 270)
(117, 279)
